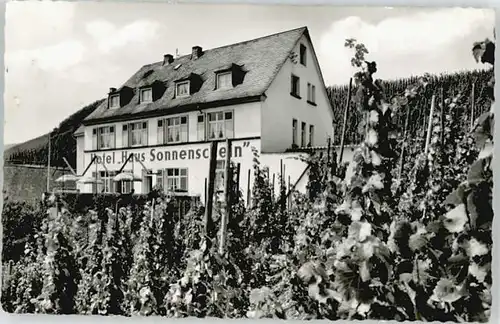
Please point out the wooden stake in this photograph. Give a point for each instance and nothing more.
(344, 124)
(274, 176)
(442, 117)
(206, 191)
(249, 193)
(48, 167)
(329, 142)
(281, 174)
(472, 107)
(211, 188)
(226, 214)
(429, 126)
(96, 177)
(236, 187)
(403, 146)
(289, 193)
(152, 212)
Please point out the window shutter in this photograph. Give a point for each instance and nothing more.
(159, 132)
(229, 124)
(144, 133)
(94, 139)
(201, 127)
(125, 137)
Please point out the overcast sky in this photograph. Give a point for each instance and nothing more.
(61, 56)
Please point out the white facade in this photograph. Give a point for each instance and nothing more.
(280, 107)
(266, 125)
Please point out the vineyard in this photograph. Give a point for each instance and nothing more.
(408, 237)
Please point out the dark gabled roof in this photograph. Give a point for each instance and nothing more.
(260, 59)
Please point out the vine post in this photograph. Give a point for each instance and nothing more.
(472, 102)
(344, 123)
(429, 125)
(226, 214)
(403, 146)
(211, 188)
(249, 173)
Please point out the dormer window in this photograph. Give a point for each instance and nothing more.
(114, 101)
(182, 89)
(224, 80)
(146, 95)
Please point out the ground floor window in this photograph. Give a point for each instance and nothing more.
(126, 186)
(173, 179)
(106, 183)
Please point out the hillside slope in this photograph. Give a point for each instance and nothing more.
(439, 85)
(8, 146)
(27, 183)
(35, 151)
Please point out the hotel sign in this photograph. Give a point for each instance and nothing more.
(171, 154)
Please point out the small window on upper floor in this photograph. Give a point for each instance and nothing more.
(303, 55)
(224, 80)
(182, 89)
(295, 86)
(294, 131)
(114, 101)
(146, 95)
(311, 94)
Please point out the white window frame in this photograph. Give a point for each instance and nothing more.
(126, 186)
(117, 103)
(221, 122)
(98, 135)
(130, 129)
(172, 124)
(173, 182)
(110, 186)
(229, 85)
(311, 93)
(146, 100)
(177, 86)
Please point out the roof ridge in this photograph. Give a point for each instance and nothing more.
(238, 43)
(259, 38)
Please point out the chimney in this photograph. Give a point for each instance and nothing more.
(111, 90)
(168, 59)
(196, 53)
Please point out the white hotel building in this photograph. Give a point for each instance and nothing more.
(267, 93)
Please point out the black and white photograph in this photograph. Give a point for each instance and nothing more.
(248, 161)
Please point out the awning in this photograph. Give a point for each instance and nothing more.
(90, 180)
(126, 176)
(68, 178)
